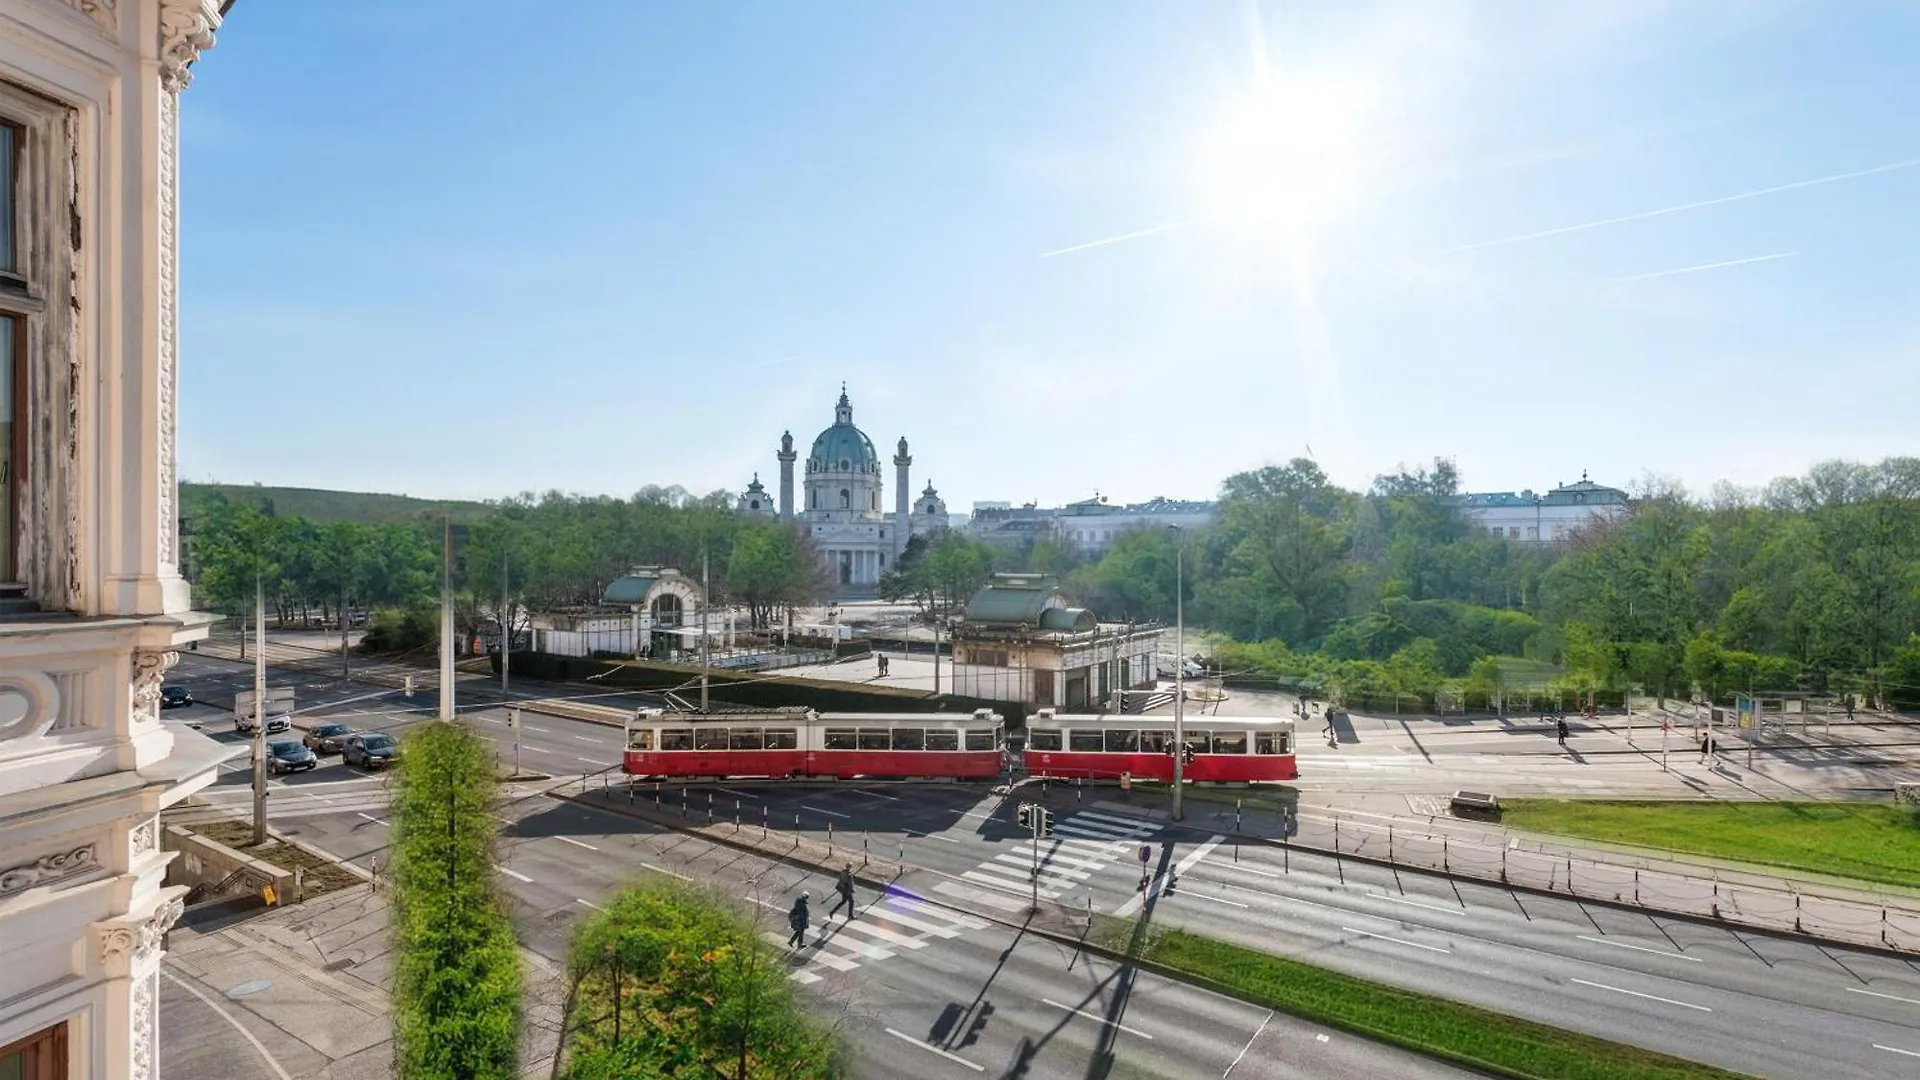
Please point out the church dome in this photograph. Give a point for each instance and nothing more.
(843, 447)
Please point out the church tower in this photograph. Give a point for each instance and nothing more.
(902, 522)
(787, 458)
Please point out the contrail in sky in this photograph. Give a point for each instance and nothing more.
(1122, 238)
(1703, 266)
(1682, 208)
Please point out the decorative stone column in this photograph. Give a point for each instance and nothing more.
(787, 457)
(902, 522)
(128, 952)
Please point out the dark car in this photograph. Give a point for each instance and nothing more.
(327, 738)
(286, 755)
(370, 750)
(173, 697)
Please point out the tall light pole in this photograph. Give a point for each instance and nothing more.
(446, 620)
(506, 644)
(1179, 670)
(259, 710)
(706, 602)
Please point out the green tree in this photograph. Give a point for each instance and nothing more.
(769, 570)
(1288, 532)
(456, 991)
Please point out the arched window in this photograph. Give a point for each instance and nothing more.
(812, 499)
(846, 499)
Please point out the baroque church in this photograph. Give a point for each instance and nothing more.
(857, 539)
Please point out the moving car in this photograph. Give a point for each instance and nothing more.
(275, 724)
(369, 750)
(327, 738)
(173, 697)
(288, 755)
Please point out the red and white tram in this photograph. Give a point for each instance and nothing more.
(1224, 749)
(800, 743)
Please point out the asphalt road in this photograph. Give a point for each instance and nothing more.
(1752, 1002)
(918, 988)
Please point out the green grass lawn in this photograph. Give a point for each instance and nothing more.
(1867, 841)
(1486, 1041)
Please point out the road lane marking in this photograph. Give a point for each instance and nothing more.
(1889, 997)
(736, 794)
(541, 730)
(1138, 899)
(1097, 1017)
(1404, 941)
(932, 836)
(1897, 1050)
(829, 813)
(589, 903)
(1416, 903)
(588, 760)
(1245, 870)
(664, 870)
(516, 875)
(586, 738)
(931, 1049)
(1178, 893)
(877, 795)
(575, 843)
(375, 820)
(1642, 948)
(979, 896)
(1130, 822)
(1249, 1046)
(1638, 994)
(228, 1017)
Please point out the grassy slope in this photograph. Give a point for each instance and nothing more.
(1488, 1041)
(366, 508)
(1867, 841)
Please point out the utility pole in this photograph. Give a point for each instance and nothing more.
(506, 645)
(446, 619)
(345, 671)
(1179, 671)
(706, 603)
(936, 653)
(259, 709)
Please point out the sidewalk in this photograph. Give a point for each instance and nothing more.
(303, 992)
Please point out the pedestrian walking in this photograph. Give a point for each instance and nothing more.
(798, 918)
(1562, 725)
(845, 889)
(1849, 707)
(1703, 748)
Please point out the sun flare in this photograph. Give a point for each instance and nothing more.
(1283, 155)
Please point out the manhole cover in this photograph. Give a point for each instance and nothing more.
(249, 988)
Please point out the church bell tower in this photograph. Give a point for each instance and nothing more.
(787, 458)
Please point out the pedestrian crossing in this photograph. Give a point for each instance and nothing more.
(1082, 844)
(898, 921)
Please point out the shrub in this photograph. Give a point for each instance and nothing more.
(456, 992)
(668, 981)
(395, 631)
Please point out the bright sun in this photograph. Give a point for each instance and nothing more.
(1283, 156)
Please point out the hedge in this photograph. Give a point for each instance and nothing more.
(456, 996)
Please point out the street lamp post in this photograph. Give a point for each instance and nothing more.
(259, 710)
(1179, 670)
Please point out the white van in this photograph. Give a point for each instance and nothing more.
(279, 710)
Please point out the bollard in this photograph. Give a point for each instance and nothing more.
(903, 852)
(736, 815)
(829, 839)
(1236, 816)
(1446, 861)
(1503, 863)
(1076, 789)
(656, 794)
(629, 791)
(864, 838)
(299, 883)
(1796, 914)
(763, 821)
(796, 821)
(1883, 926)
(1569, 875)
(683, 802)
(1389, 843)
(1636, 896)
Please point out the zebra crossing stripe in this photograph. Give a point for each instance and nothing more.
(1045, 870)
(1131, 823)
(906, 901)
(1021, 887)
(861, 926)
(813, 955)
(979, 896)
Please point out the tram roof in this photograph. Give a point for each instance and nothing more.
(1194, 723)
(801, 716)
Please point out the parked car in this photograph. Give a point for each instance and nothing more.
(370, 750)
(327, 738)
(173, 697)
(289, 755)
(275, 724)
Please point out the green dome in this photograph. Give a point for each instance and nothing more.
(843, 447)
(843, 443)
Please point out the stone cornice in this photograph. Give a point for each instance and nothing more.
(186, 31)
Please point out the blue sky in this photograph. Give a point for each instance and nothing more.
(451, 248)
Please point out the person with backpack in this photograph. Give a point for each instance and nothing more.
(845, 888)
(798, 918)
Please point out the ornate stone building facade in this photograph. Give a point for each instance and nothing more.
(92, 604)
(845, 503)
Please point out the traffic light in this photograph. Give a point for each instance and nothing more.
(1025, 815)
(1044, 826)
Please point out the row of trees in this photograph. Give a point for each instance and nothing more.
(1809, 582)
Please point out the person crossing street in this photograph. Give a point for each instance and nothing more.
(845, 888)
(798, 918)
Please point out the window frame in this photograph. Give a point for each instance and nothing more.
(43, 1054)
(680, 737)
(1056, 736)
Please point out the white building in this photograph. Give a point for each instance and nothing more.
(94, 607)
(844, 512)
(1019, 641)
(1091, 526)
(1550, 518)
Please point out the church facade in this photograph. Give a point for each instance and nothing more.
(841, 503)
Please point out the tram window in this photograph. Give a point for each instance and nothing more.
(1155, 740)
(842, 739)
(943, 740)
(1085, 742)
(875, 739)
(1038, 739)
(748, 738)
(710, 738)
(982, 740)
(909, 738)
(640, 739)
(782, 739)
(1229, 742)
(1199, 740)
(676, 738)
(1122, 741)
(1271, 742)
